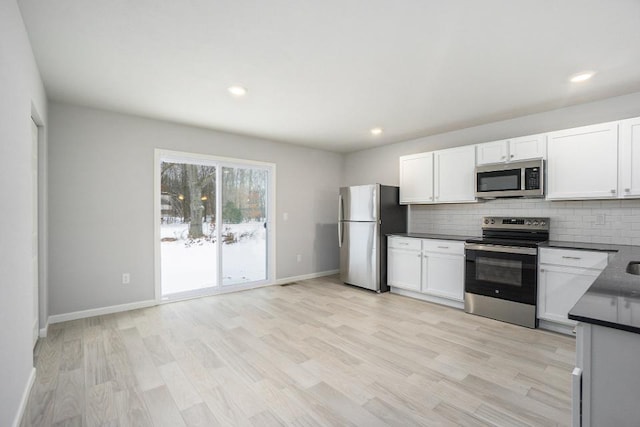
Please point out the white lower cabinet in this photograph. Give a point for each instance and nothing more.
(430, 269)
(404, 269)
(563, 277)
(444, 275)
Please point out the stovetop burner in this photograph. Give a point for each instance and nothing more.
(513, 231)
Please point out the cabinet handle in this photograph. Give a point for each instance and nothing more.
(403, 243)
(431, 198)
(512, 156)
(419, 255)
(627, 190)
(613, 191)
(542, 270)
(503, 157)
(571, 257)
(443, 247)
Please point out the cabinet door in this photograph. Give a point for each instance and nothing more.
(443, 275)
(404, 269)
(582, 163)
(630, 158)
(528, 147)
(454, 172)
(492, 152)
(559, 290)
(416, 178)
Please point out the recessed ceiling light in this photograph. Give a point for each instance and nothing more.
(376, 131)
(237, 90)
(581, 77)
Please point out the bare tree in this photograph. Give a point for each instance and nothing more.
(197, 177)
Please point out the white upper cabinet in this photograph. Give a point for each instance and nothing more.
(454, 175)
(514, 149)
(416, 178)
(629, 158)
(445, 176)
(528, 147)
(583, 163)
(492, 152)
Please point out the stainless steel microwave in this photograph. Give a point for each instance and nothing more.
(515, 179)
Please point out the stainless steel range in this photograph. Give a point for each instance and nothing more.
(501, 274)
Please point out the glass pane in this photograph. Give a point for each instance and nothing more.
(499, 181)
(188, 247)
(244, 215)
(504, 271)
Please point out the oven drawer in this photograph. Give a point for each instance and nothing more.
(443, 246)
(574, 258)
(409, 243)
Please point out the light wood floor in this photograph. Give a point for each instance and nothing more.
(308, 354)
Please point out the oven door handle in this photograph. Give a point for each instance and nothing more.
(500, 248)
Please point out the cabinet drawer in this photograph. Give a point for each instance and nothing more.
(443, 246)
(404, 243)
(574, 258)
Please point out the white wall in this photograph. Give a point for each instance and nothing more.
(21, 92)
(381, 164)
(101, 202)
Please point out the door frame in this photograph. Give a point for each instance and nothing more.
(43, 232)
(161, 155)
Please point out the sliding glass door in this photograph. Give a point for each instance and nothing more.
(244, 225)
(213, 224)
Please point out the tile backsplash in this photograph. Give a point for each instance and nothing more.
(570, 221)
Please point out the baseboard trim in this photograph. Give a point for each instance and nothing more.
(57, 318)
(556, 327)
(428, 298)
(25, 398)
(44, 331)
(290, 279)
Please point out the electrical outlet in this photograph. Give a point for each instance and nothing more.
(600, 219)
(126, 278)
(298, 257)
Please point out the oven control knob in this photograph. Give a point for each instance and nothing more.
(535, 223)
(486, 221)
(493, 221)
(543, 223)
(528, 222)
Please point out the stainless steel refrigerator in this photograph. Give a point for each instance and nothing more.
(366, 214)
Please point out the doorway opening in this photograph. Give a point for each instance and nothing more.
(213, 224)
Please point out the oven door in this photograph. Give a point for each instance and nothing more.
(505, 272)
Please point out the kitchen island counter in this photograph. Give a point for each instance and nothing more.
(614, 298)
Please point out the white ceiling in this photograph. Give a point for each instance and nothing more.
(322, 73)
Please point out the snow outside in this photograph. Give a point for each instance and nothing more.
(189, 246)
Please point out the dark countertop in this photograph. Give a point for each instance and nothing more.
(433, 236)
(613, 300)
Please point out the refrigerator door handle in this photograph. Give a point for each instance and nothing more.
(340, 218)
